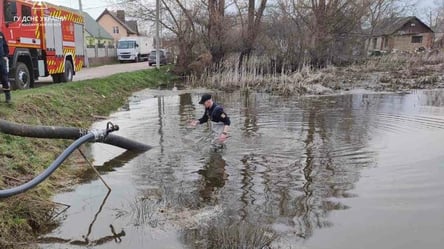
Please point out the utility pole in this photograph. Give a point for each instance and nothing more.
(157, 34)
(85, 56)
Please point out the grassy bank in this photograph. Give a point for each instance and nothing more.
(73, 104)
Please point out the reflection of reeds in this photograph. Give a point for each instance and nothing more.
(157, 205)
(143, 211)
(241, 235)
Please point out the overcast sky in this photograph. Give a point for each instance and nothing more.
(92, 7)
(425, 3)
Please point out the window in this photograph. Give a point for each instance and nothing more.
(416, 39)
(385, 42)
(115, 30)
(126, 44)
(374, 42)
(26, 14)
(10, 9)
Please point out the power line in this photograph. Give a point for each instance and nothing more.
(108, 5)
(112, 5)
(102, 6)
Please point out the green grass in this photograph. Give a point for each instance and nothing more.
(71, 104)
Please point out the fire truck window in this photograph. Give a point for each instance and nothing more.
(10, 11)
(26, 14)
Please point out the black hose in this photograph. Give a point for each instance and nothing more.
(4, 193)
(125, 143)
(40, 131)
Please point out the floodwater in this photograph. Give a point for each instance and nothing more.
(350, 171)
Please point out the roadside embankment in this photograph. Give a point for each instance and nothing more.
(75, 104)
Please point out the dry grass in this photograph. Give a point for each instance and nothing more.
(257, 73)
(241, 235)
(411, 70)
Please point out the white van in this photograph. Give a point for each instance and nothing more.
(134, 48)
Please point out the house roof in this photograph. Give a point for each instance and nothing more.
(113, 15)
(132, 25)
(95, 29)
(389, 26)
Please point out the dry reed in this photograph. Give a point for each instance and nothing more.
(258, 73)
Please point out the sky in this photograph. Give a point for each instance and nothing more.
(93, 7)
(425, 3)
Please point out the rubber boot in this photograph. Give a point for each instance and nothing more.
(8, 97)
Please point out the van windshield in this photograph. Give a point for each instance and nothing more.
(153, 53)
(126, 44)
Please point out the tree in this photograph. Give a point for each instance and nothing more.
(178, 19)
(216, 29)
(435, 16)
(250, 29)
(328, 23)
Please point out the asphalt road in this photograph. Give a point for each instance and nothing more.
(98, 72)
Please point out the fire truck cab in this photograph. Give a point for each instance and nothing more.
(43, 39)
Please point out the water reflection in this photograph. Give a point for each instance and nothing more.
(213, 174)
(116, 237)
(250, 113)
(186, 107)
(288, 164)
(86, 241)
(117, 162)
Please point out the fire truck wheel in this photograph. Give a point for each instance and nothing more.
(22, 76)
(69, 72)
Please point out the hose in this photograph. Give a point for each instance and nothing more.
(40, 131)
(90, 136)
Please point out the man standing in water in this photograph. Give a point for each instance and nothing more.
(216, 114)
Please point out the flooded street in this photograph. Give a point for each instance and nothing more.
(348, 171)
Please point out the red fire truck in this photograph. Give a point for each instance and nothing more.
(43, 39)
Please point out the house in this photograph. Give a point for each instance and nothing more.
(400, 34)
(116, 25)
(95, 34)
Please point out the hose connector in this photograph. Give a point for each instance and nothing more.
(100, 135)
(110, 127)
